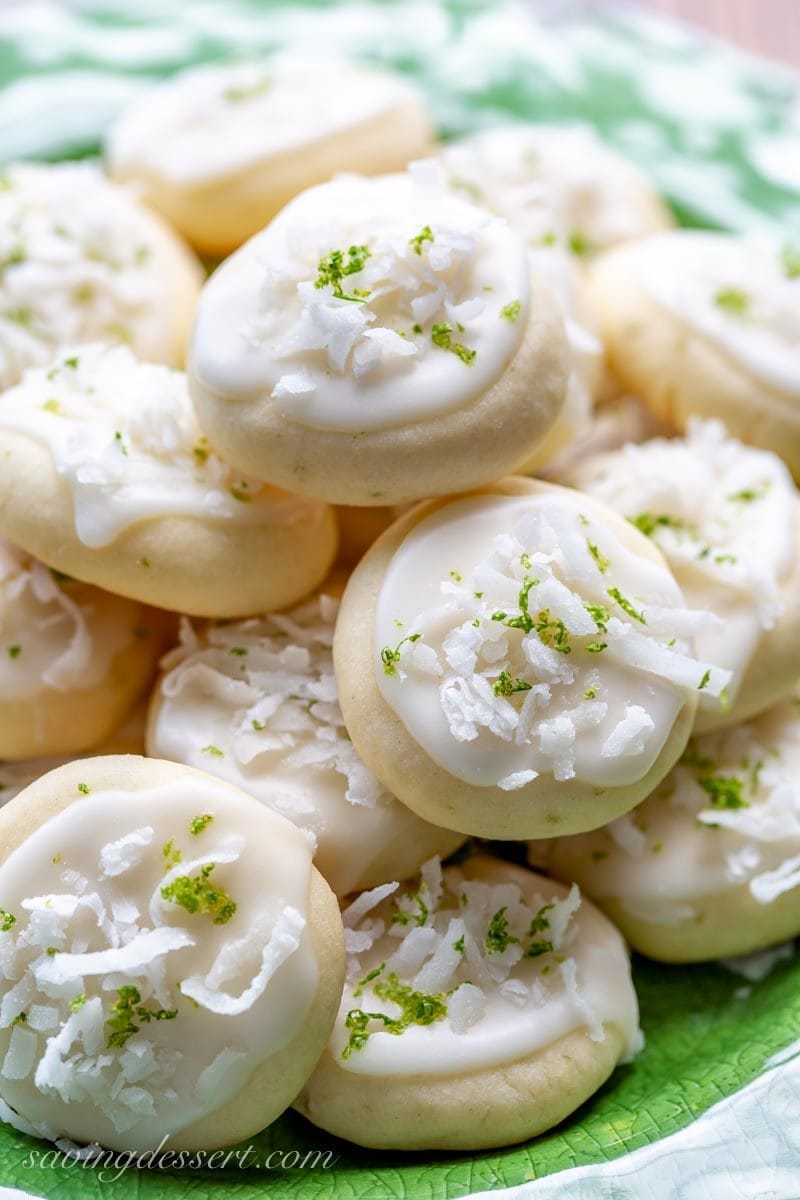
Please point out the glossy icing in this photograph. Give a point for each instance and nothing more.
(427, 323)
(485, 647)
(88, 884)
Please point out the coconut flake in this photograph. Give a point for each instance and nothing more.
(283, 942)
(466, 1008)
(569, 973)
(517, 779)
(142, 950)
(127, 852)
(631, 735)
(21, 1053)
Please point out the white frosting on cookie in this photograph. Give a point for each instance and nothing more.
(473, 970)
(214, 121)
(728, 815)
(256, 703)
(554, 184)
(152, 958)
(518, 636)
(80, 262)
(124, 437)
(740, 293)
(724, 515)
(50, 640)
(366, 304)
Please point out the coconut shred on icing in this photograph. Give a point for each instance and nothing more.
(47, 639)
(554, 185)
(472, 972)
(728, 815)
(129, 1011)
(367, 304)
(742, 294)
(256, 703)
(78, 264)
(724, 515)
(124, 437)
(215, 121)
(518, 637)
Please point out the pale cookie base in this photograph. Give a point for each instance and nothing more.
(275, 1081)
(475, 1109)
(194, 565)
(56, 723)
(542, 808)
(219, 216)
(724, 926)
(469, 447)
(493, 1107)
(678, 372)
(775, 667)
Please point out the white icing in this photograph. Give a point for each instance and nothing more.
(81, 262)
(124, 437)
(681, 847)
(502, 1004)
(256, 703)
(551, 183)
(690, 273)
(214, 121)
(265, 329)
(601, 717)
(70, 1078)
(50, 641)
(724, 515)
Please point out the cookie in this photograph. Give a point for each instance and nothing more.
(727, 519)
(256, 703)
(709, 865)
(220, 148)
(557, 185)
(84, 261)
(360, 347)
(480, 1009)
(518, 658)
(150, 1004)
(708, 324)
(107, 478)
(73, 659)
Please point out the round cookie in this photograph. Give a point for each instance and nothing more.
(709, 865)
(708, 324)
(479, 1010)
(256, 703)
(148, 1003)
(107, 477)
(727, 519)
(518, 659)
(557, 185)
(83, 261)
(73, 659)
(220, 148)
(362, 345)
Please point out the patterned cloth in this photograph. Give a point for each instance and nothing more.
(718, 130)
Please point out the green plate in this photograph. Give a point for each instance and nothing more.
(720, 134)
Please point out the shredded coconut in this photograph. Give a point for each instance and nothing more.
(465, 939)
(80, 263)
(529, 650)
